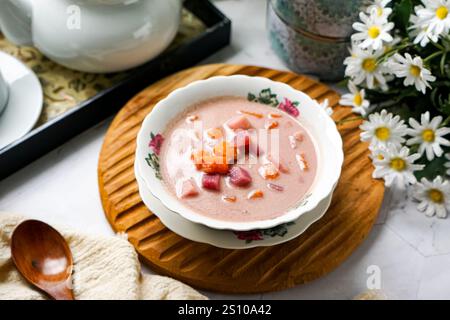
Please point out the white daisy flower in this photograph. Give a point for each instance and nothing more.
(376, 151)
(421, 32)
(435, 14)
(325, 105)
(429, 135)
(380, 8)
(396, 166)
(362, 66)
(383, 128)
(373, 32)
(434, 196)
(447, 164)
(412, 70)
(355, 99)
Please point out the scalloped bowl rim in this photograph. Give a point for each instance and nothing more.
(328, 170)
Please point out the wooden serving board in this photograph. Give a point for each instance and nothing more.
(325, 245)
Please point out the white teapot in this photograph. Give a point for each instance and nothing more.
(93, 35)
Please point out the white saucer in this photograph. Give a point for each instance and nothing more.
(25, 100)
(225, 238)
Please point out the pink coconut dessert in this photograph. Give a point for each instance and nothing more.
(232, 159)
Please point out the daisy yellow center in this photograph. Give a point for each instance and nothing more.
(414, 70)
(428, 135)
(436, 195)
(442, 12)
(398, 164)
(357, 100)
(369, 64)
(380, 157)
(380, 11)
(382, 133)
(373, 32)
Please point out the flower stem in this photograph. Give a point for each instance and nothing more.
(442, 64)
(383, 58)
(432, 56)
(437, 45)
(445, 122)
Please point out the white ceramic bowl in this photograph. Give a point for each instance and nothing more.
(229, 239)
(320, 126)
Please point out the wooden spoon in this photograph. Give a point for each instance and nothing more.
(43, 257)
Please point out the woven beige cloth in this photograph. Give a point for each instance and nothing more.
(104, 268)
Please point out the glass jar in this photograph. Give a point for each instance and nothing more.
(313, 36)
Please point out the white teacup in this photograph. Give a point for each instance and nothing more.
(4, 93)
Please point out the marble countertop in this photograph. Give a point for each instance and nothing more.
(408, 251)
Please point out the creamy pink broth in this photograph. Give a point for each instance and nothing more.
(177, 164)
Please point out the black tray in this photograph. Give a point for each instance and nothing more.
(57, 131)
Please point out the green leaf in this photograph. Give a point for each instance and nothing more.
(343, 83)
(279, 231)
(153, 162)
(445, 106)
(266, 92)
(433, 169)
(401, 14)
(440, 97)
(265, 97)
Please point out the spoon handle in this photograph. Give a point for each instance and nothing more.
(60, 292)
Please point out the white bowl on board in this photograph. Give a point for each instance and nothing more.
(320, 126)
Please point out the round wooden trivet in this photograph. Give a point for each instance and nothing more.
(325, 245)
